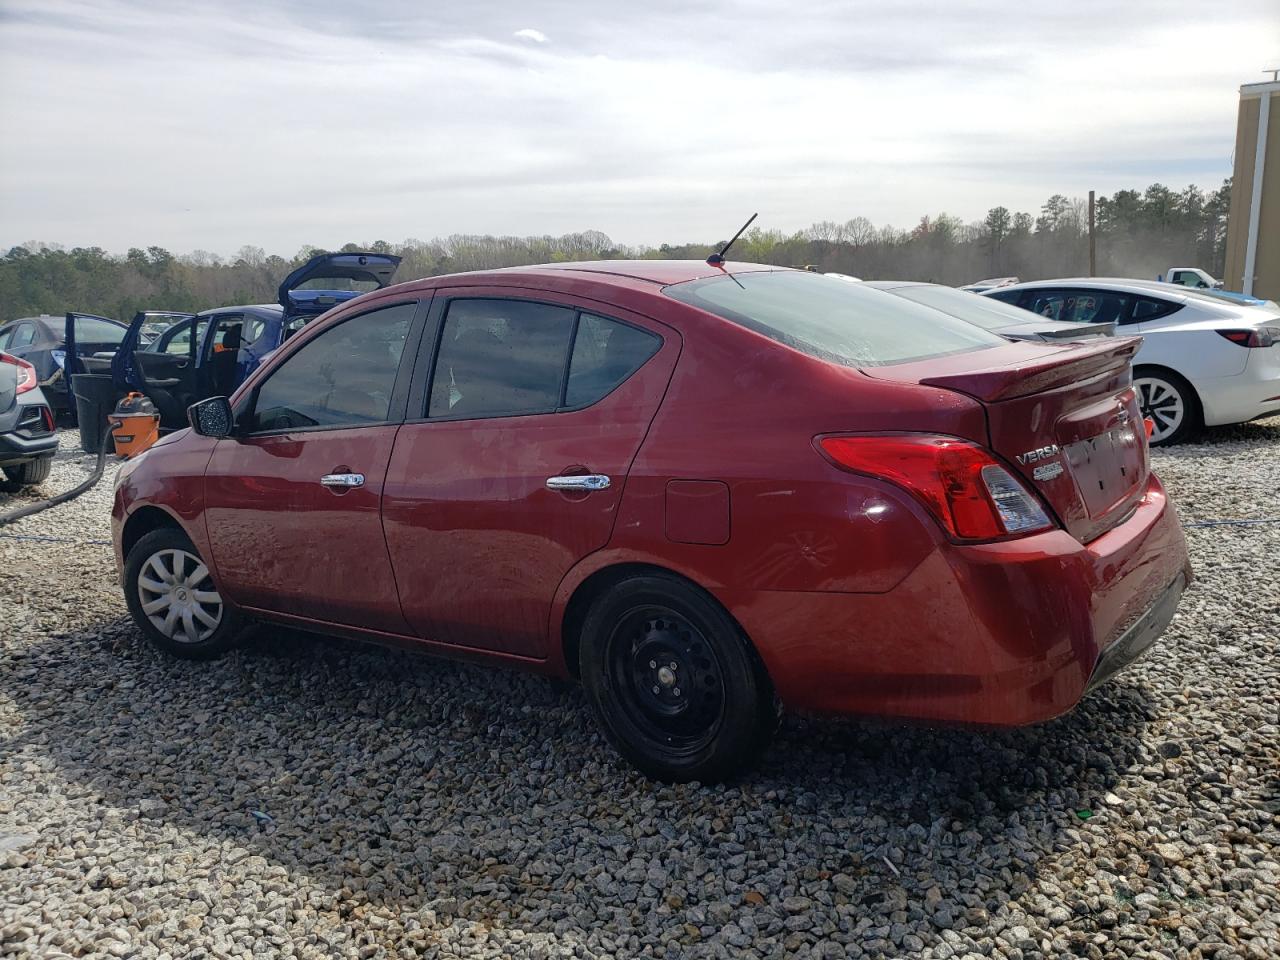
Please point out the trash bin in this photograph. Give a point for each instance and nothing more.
(95, 399)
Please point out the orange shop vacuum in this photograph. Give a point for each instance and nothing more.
(135, 425)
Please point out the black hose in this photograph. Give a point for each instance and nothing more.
(42, 505)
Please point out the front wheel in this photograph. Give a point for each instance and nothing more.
(674, 682)
(1170, 402)
(174, 600)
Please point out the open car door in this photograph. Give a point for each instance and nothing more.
(90, 341)
(328, 279)
(167, 377)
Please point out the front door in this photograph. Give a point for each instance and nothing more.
(293, 500)
(516, 466)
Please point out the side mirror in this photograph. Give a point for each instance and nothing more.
(211, 418)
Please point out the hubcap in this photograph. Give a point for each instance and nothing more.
(666, 674)
(178, 596)
(1162, 402)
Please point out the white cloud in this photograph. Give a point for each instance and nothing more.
(281, 123)
(537, 36)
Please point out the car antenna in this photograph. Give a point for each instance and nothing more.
(718, 258)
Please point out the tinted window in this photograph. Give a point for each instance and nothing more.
(6, 336)
(605, 353)
(343, 377)
(1149, 308)
(983, 311)
(92, 330)
(832, 319)
(1080, 306)
(500, 358)
(1005, 296)
(24, 335)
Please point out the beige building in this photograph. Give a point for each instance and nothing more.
(1253, 224)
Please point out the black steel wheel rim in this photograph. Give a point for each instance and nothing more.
(667, 677)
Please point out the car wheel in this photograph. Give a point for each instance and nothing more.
(674, 681)
(28, 474)
(174, 601)
(1170, 402)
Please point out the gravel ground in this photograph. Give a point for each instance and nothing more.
(309, 798)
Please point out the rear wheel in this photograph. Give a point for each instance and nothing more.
(1170, 402)
(674, 682)
(173, 599)
(27, 474)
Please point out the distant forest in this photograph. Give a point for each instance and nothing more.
(1139, 234)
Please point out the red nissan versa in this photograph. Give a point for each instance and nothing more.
(704, 490)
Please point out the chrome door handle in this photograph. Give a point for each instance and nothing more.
(342, 481)
(584, 482)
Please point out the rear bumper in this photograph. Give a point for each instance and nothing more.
(1001, 634)
(1252, 394)
(15, 448)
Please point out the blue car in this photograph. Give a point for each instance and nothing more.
(209, 354)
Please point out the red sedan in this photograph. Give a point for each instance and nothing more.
(706, 491)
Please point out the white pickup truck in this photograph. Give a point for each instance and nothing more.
(1191, 277)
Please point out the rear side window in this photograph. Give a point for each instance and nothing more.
(25, 335)
(1149, 308)
(343, 377)
(605, 352)
(500, 358)
(832, 319)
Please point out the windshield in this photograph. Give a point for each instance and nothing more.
(849, 323)
(982, 311)
(93, 330)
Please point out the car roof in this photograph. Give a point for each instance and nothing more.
(656, 272)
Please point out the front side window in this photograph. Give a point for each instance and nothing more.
(343, 377)
(93, 330)
(832, 319)
(500, 358)
(178, 341)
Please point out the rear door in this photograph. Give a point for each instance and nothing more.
(514, 461)
(1066, 418)
(293, 500)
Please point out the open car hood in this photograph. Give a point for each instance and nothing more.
(376, 267)
(125, 373)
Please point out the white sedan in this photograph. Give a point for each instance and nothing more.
(1204, 360)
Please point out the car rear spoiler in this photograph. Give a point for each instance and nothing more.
(1041, 370)
(1083, 332)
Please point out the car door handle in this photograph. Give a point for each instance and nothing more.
(342, 481)
(580, 482)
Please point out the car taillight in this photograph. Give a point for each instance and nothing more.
(970, 492)
(1258, 337)
(27, 379)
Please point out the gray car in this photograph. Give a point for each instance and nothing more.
(990, 314)
(27, 438)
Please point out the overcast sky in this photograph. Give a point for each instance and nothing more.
(277, 123)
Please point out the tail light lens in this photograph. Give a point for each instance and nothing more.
(962, 484)
(1258, 337)
(27, 379)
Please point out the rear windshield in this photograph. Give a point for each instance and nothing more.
(91, 330)
(832, 319)
(984, 312)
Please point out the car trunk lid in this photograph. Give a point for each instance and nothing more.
(1065, 417)
(321, 270)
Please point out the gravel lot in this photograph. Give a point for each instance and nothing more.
(309, 798)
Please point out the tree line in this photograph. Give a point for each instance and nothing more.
(1138, 234)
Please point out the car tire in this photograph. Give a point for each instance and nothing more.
(174, 601)
(28, 474)
(1171, 402)
(674, 681)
